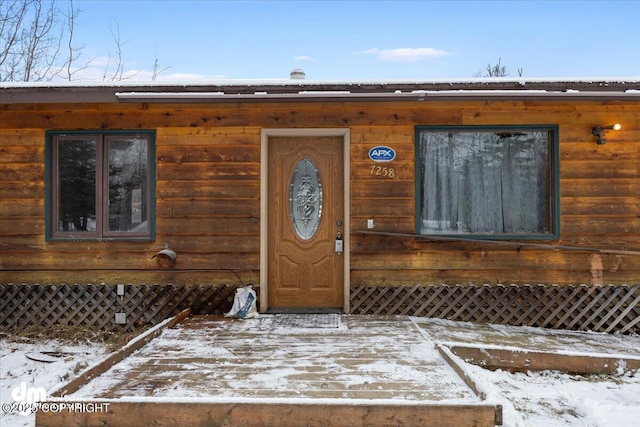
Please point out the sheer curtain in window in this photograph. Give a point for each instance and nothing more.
(484, 182)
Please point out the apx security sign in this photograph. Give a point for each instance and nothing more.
(382, 154)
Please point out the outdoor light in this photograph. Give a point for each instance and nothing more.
(600, 131)
(165, 257)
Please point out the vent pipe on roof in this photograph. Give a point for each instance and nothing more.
(297, 74)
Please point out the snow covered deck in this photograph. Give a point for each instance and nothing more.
(534, 349)
(337, 370)
(206, 357)
(350, 370)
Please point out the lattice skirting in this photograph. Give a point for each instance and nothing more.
(596, 308)
(95, 306)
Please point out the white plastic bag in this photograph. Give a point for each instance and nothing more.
(244, 303)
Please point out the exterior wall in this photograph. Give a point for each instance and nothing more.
(208, 193)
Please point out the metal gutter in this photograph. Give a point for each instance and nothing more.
(367, 96)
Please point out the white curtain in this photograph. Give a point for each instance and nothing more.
(485, 182)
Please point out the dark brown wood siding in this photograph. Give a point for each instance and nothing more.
(208, 192)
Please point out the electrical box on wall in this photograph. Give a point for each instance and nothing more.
(121, 318)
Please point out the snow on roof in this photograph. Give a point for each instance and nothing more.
(262, 89)
(630, 80)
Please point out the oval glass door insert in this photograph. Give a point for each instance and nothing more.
(305, 199)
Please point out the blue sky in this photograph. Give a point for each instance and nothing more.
(360, 40)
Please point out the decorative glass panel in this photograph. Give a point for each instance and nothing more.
(305, 199)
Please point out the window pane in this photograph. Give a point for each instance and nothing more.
(486, 182)
(127, 210)
(76, 185)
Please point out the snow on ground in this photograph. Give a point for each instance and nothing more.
(550, 398)
(541, 399)
(18, 373)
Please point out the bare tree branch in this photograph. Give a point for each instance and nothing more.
(30, 39)
(37, 42)
(156, 71)
(497, 70)
(12, 17)
(115, 34)
(74, 53)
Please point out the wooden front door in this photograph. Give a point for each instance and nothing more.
(305, 214)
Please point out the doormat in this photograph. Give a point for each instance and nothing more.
(299, 321)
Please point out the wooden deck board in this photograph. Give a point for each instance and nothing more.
(219, 357)
(218, 371)
(528, 338)
(535, 349)
(373, 370)
(260, 414)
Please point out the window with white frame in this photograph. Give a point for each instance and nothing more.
(499, 182)
(101, 185)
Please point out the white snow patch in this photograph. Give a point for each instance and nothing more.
(16, 368)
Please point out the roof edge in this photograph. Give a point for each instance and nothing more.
(71, 92)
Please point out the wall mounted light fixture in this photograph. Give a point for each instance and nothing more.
(165, 257)
(166, 252)
(600, 131)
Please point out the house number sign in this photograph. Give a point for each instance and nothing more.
(382, 154)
